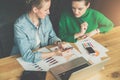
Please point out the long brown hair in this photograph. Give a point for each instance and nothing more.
(86, 1)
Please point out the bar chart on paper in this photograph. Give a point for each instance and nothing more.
(46, 64)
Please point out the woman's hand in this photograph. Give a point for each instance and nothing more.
(58, 52)
(96, 31)
(92, 33)
(77, 35)
(83, 27)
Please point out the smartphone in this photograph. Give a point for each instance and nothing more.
(33, 75)
(90, 50)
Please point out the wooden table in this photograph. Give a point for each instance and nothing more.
(10, 69)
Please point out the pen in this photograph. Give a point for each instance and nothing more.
(68, 48)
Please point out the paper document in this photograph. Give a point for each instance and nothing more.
(95, 45)
(33, 66)
(46, 64)
(73, 52)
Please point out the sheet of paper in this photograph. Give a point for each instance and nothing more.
(46, 64)
(44, 49)
(72, 54)
(34, 66)
(26, 65)
(96, 46)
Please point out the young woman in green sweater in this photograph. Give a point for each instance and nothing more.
(82, 21)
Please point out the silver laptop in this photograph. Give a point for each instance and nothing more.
(77, 69)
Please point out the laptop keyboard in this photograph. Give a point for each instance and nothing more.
(67, 74)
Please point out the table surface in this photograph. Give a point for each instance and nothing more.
(10, 69)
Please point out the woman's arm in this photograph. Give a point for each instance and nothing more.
(104, 24)
(24, 45)
(52, 35)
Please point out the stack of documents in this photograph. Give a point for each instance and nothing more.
(96, 46)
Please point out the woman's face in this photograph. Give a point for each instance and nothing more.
(79, 8)
(44, 10)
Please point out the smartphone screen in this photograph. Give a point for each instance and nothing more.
(90, 50)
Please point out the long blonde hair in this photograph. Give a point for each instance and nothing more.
(34, 3)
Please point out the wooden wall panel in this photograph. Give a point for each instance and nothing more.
(110, 8)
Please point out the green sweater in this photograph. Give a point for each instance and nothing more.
(69, 25)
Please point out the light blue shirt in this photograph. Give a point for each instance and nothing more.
(25, 37)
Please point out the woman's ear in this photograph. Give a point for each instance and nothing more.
(88, 5)
(35, 9)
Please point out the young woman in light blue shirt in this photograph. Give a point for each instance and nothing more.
(33, 30)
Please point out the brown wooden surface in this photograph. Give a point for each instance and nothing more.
(10, 69)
